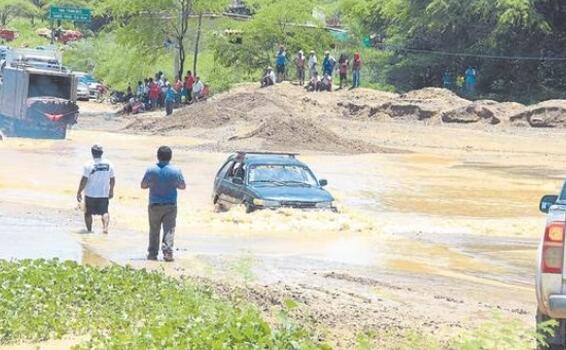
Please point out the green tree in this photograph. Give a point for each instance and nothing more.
(467, 31)
(274, 22)
(10, 9)
(202, 7)
(150, 26)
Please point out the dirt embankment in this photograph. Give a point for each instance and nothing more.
(287, 117)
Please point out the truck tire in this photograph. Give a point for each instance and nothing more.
(555, 341)
(55, 132)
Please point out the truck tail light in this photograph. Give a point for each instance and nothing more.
(553, 248)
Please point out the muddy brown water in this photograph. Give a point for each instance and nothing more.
(429, 236)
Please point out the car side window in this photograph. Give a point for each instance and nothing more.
(238, 170)
(223, 173)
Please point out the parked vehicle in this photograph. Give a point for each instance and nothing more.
(90, 81)
(83, 93)
(8, 34)
(36, 102)
(551, 272)
(260, 180)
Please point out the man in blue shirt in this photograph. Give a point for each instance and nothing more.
(281, 64)
(170, 98)
(470, 81)
(163, 180)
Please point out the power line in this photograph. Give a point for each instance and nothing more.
(461, 54)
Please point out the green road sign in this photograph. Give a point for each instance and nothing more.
(69, 14)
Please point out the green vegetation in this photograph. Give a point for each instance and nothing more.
(500, 333)
(405, 44)
(123, 308)
(464, 30)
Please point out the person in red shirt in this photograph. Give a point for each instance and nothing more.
(154, 92)
(356, 70)
(343, 65)
(189, 81)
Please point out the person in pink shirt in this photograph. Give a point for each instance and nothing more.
(189, 82)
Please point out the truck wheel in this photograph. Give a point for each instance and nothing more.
(553, 341)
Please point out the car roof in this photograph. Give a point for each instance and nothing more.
(269, 159)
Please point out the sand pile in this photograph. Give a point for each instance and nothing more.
(548, 114)
(421, 104)
(286, 117)
(302, 133)
(472, 113)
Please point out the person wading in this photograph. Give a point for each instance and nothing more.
(97, 183)
(163, 180)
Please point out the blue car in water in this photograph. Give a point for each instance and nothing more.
(261, 180)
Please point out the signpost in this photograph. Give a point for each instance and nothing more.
(70, 14)
(82, 15)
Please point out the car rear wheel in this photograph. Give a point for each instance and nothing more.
(551, 341)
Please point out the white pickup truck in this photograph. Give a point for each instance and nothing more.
(551, 270)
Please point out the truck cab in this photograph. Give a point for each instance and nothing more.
(551, 269)
(36, 100)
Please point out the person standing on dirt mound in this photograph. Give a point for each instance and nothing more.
(328, 64)
(97, 183)
(300, 63)
(343, 65)
(356, 71)
(189, 81)
(170, 98)
(163, 180)
(281, 64)
(313, 61)
(470, 79)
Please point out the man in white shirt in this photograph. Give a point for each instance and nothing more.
(313, 61)
(97, 183)
(198, 89)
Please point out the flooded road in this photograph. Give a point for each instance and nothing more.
(436, 238)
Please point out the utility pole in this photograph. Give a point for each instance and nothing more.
(197, 44)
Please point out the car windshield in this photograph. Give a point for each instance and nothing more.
(281, 174)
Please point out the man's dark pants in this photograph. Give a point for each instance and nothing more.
(169, 107)
(166, 216)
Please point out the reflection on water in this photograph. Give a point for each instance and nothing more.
(35, 238)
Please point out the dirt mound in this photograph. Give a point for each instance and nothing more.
(304, 134)
(432, 93)
(421, 104)
(548, 114)
(472, 113)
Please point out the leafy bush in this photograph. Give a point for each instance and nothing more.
(123, 308)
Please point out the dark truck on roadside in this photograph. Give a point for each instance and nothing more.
(37, 100)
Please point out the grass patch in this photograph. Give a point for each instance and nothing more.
(123, 308)
(498, 333)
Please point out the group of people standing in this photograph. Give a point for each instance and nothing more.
(161, 179)
(466, 83)
(318, 81)
(158, 92)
